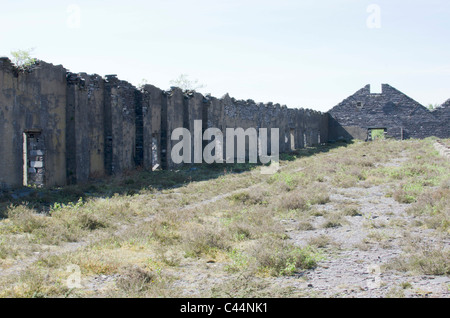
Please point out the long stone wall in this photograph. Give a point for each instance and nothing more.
(58, 127)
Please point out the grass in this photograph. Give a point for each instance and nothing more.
(201, 240)
(433, 206)
(35, 284)
(135, 281)
(239, 261)
(351, 211)
(424, 260)
(334, 220)
(320, 241)
(65, 223)
(277, 258)
(245, 285)
(377, 134)
(153, 235)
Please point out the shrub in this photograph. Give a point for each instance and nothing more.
(277, 257)
(333, 220)
(427, 261)
(135, 280)
(246, 198)
(320, 241)
(201, 240)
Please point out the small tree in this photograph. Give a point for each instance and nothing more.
(22, 58)
(142, 83)
(186, 84)
(431, 106)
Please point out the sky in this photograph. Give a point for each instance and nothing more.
(310, 54)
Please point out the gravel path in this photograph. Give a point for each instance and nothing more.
(360, 248)
(350, 271)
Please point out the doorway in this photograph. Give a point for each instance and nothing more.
(292, 132)
(376, 134)
(33, 158)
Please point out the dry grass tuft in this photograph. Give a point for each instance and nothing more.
(277, 257)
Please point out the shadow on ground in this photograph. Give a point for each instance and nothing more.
(132, 182)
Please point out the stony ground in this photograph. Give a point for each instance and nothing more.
(360, 220)
(354, 265)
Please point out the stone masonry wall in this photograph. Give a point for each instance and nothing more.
(401, 116)
(33, 103)
(89, 126)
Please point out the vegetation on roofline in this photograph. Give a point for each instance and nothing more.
(23, 60)
(184, 83)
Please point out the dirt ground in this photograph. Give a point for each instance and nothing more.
(358, 220)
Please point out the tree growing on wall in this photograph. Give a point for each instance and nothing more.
(433, 106)
(186, 84)
(142, 83)
(22, 58)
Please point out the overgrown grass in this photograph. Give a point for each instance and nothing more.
(433, 206)
(424, 169)
(66, 223)
(148, 229)
(423, 260)
(137, 282)
(277, 257)
(36, 283)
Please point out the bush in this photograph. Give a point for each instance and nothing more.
(247, 198)
(427, 261)
(135, 280)
(277, 257)
(200, 240)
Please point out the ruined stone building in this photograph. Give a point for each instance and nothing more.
(59, 128)
(397, 114)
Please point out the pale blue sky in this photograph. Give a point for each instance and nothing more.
(310, 54)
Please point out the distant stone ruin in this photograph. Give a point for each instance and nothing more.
(397, 114)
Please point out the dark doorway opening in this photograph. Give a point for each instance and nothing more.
(33, 158)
